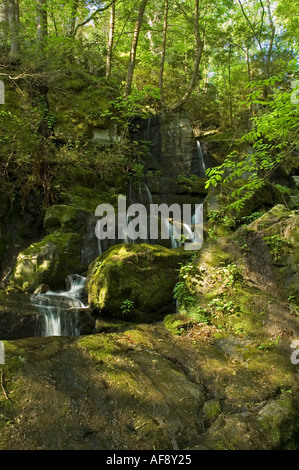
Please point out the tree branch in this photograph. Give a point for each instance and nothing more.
(91, 17)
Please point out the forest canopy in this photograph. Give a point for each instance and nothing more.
(88, 61)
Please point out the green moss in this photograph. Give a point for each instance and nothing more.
(144, 274)
(68, 219)
(278, 420)
(176, 324)
(47, 262)
(211, 410)
(101, 348)
(86, 198)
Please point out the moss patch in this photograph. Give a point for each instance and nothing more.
(134, 282)
(47, 262)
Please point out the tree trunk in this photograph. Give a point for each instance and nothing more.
(132, 60)
(272, 27)
(110, 41)
(198, 55)
(42, 22)
(3, 22)
(72, 22)
(13, 24)
(163, 53)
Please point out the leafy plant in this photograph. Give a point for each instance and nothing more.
(126, 306)
(273, 138)
(275, 243)
(251, 218)
(269, 344)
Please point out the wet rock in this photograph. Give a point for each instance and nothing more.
(134, 282)
(48, 261)
(18, 318)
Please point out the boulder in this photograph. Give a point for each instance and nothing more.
(63, 218)
(269, 252)
(47, 262)
(134, 282)
(18, 317)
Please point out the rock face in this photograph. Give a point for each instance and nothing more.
(271, 248)
(67, 219)
(134, 282)
(18, 319)
(171, 142)
(48, 261)
(216, 375)
(171, 154)
(139, 389)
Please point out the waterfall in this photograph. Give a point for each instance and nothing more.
(188, 233)
(59, 310)
(100, 251)
(148, 129)
(201, 160)
(172, 234)
(149, 195)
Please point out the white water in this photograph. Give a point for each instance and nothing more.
(149, 195)
(172, 233)
(201, 160)
(59, 310)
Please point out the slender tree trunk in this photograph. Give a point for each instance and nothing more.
(163, 53)
(3, 23)
(132, 60)
(73, 17)
(272, 27)
(13, 24)
(110, 41)
(198, 55)
(41, 89)
(42, 22)
(230, 88)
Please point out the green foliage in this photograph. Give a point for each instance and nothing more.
(123, 110)
(274, 139)
(126, 306)
(275, 243)
(269, 344)
(251, 218)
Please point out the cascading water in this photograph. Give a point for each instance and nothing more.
(149, 195)
(172, 234)
(201, 160)
(59, 310)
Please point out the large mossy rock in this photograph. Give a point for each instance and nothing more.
(47, 262)
(269, 252)
(134, 282)
(63, 218)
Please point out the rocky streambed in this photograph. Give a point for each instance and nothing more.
(221, 373)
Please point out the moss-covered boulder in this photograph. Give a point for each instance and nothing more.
(63, 218)
(134, 282)
(269, 252)
(48, 261)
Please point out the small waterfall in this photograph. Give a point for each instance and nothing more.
(148, 129)
(188, 233)
(59, 310)
(149, 195)
(172, 234)
(100, 251)
(201, 160)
